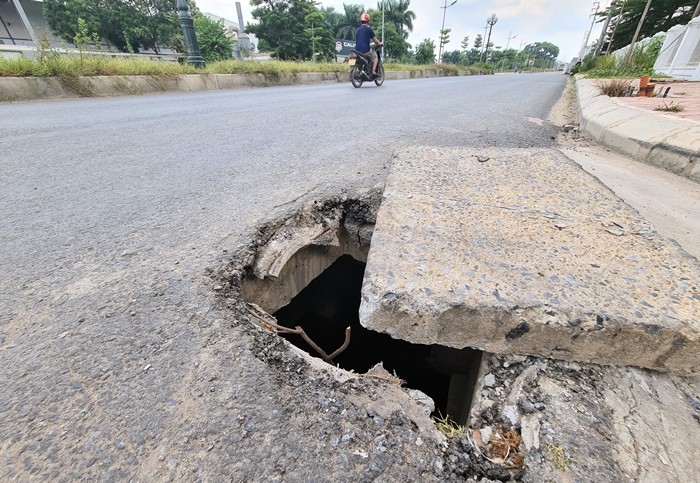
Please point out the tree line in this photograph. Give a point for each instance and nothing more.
(300, 30)
(134, 25)
(289, 29)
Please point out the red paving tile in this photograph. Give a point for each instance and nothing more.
(683, 93)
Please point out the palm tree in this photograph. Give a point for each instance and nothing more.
(331, 17)
(348, 21)
(398, 13)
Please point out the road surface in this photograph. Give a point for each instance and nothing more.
(116, 360)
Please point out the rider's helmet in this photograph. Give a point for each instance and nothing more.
(364, 17)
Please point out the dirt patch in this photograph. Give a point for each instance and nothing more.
(565, 115)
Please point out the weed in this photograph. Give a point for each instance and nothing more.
(559, 456)
(615, 87)
(448, 427)
(672, 107)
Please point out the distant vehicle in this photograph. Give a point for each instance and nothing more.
(574, 62)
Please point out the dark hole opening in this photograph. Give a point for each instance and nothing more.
(331, 302)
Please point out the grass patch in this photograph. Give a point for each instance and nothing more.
(672, 107)
(615, 87)
(54, 66)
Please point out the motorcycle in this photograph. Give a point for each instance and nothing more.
(361, 68)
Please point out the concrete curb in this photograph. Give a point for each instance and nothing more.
(14, 89)
(665, 141)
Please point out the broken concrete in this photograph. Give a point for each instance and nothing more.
(306, 244)
(520, 251)
(584, 422)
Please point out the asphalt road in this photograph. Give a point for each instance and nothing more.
(112, 210)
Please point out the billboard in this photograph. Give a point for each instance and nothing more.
(343, 46)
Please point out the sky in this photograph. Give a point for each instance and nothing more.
(564, 23)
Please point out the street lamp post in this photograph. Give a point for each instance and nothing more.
(491, 21)
(382, 21)
(193, 56)
(444, 12)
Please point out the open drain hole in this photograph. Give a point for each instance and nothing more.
(330, 303)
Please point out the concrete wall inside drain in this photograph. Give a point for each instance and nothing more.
(271, 294)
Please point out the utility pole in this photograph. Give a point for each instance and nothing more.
(482, 42)
(507, 44)
(697, 11)
(636, 33)
(594, 12)
(617, 23)
(510, 38)
(601, 39)
(442, 30)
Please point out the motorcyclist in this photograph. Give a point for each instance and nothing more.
(363, 36)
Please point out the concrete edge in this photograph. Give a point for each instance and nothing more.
(14, 89)
(664, 141)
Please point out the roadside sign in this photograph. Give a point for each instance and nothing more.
(343, 46)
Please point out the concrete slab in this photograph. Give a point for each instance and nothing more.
(525, 253)
(584, 422)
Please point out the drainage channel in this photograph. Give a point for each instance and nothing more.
(309, 275)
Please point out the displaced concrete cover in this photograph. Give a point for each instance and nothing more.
(526, 253)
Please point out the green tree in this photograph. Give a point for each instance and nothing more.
(444, 38)
(395, 44)
(454, 57)
(129, 25)
(315, 25)
(397, 12)
(213, 42)
(465, 45)
(536, 53)
(662, 15)
(285, 26)
(425, 52)
(349, 21)
(331, 17)
(472, 57)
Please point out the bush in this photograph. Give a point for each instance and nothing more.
(640, 62)
(484, 67)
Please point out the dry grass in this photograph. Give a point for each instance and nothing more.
(615, 87)
(559, 457)
(449, 428)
